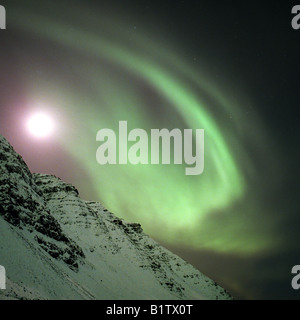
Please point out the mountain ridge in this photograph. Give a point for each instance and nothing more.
(54, 245)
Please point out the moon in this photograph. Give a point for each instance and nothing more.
(40, 125)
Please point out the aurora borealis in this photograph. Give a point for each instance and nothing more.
(92, 65)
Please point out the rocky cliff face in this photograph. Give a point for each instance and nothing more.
(54, 245)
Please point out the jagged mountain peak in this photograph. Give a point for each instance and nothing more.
(54, 245)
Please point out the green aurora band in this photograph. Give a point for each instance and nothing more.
(151, 87)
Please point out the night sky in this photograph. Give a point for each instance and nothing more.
(228, 67)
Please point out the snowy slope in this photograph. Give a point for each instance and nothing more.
(55, 245)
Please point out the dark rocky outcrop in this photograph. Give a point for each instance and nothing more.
(57, 246)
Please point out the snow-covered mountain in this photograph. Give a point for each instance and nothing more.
(54, 245)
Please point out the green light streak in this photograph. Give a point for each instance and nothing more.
(170, 206)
